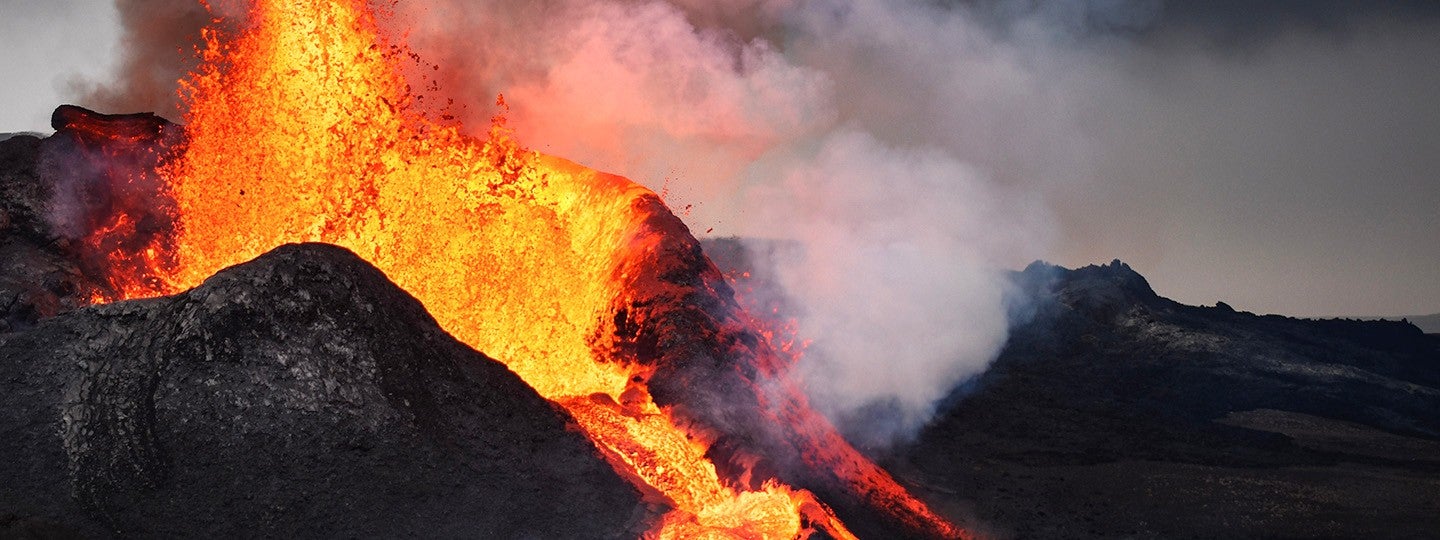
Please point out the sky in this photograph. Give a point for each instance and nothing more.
(1278, 156)
(46, 45)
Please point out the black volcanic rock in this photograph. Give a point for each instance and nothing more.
(22, 196)
(37, 278)
(1114, 412)
(1429, 324)
(298, 395)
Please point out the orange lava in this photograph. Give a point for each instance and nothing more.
(303, 129)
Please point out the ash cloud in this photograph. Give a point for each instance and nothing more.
(1277, 156)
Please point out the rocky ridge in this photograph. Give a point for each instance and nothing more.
(300, 394)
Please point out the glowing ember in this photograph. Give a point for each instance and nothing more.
(303, 129)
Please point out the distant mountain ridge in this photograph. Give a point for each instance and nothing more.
(1430, 324)
(5, 136)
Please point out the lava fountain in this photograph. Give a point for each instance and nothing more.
(303, 128)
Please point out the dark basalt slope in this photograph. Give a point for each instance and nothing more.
(298, 395)
(1114, 412)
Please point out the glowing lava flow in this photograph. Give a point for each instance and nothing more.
(302, 129)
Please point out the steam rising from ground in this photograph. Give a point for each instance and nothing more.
(913, 148)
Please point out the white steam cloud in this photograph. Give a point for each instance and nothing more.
(895, 277)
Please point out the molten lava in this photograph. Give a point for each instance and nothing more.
(302, 128)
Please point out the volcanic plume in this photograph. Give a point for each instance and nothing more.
(303, 128)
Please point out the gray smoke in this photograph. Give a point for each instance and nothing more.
(158, 41)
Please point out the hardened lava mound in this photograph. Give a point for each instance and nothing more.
(298, 395)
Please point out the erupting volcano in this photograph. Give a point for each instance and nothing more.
(303, 128)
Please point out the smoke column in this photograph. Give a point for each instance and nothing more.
(157, 46)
